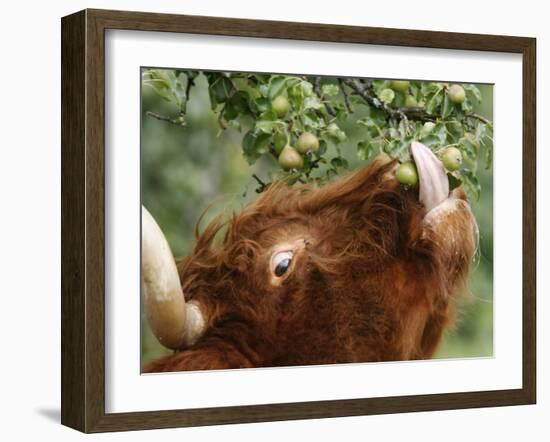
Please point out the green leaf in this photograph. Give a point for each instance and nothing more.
(221, 89)
(455, 130)
(257, 79)
(367, 122)
(262, 104)
(454, 182)
(337, 162)
(166, 84)
(380, 85)
(322, 147)
(239, 100)
(249, 151)
(341, 136)
(473, 91)
(234, 124)
(312, 120)
(276, 85)
(280, 139)
(466, 106)
(261, 143)
(447, 107)
(434, 102)
(312, 102)
(330, 90)
(440, 131)
(430, 88)
(269, 115)
(335, 133)
(266, 126)
(403, 131)
(394, 133)
(255, 144)
(377, 116)
(295, 96)
(307, 88)
(432, 141)
(399, 100)
(364, 150)
(467, 147)
(229, 112)
(473, 188)
(264, 90)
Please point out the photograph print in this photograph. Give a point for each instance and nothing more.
(301, 220)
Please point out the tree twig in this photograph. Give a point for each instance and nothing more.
(263, 185)
(221, 121)
(346, 96)
(479, 117)
(368, 95)
(364, 90)
(179, 120)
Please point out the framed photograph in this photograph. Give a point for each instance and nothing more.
(268, 220)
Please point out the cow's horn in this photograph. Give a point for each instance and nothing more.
(175, 323)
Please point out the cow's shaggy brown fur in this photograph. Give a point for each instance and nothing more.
(374, 281)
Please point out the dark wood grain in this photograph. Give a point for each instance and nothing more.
(529, 220)
(83, 220)
(73, 251)
(144, 21)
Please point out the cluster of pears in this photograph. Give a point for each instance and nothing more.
(292, 157)
(403, 87)
(456, 93)
(407, 174)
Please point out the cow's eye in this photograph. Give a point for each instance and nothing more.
(281, 262)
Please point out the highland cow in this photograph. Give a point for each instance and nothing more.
(359, 270)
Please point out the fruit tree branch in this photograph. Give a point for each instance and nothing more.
(364, 90)
(346, 96)
(479, 117)
(160, 117)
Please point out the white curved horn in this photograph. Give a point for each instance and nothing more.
(175, 323)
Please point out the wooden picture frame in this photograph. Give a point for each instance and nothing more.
(83, 220)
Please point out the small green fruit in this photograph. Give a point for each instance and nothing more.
(428, 126)
(400, 85)
(280, 105)
(410, 101)
(427, 129)
(407, 175)
(387, 96)
(307, 142)
(452, 159)
(290, 158)
(457, 94)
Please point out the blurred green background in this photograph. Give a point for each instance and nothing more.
(186, 170)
